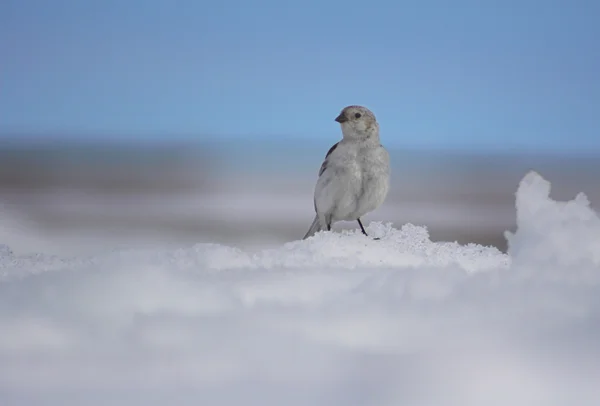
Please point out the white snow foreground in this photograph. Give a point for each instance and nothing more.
(338, 319)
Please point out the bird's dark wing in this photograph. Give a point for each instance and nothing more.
(324, 164)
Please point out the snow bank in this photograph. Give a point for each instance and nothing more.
(338, 319)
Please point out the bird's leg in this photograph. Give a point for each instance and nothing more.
(361, 227)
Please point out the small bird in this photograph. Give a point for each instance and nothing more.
(354, 178)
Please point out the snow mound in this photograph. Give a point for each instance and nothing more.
(408, 247)
(553, 233)
(336, 319)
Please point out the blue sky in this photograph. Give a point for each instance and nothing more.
(474, 74)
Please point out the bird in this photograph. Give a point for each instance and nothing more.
(354, 178)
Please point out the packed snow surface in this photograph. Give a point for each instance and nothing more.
(338, 319)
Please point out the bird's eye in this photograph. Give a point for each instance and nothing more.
(357, 115)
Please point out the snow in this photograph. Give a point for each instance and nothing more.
(339, 319)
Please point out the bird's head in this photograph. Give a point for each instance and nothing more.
(358, 122)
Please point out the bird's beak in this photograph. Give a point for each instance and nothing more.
(341, 118)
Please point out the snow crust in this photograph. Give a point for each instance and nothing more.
(339, 319)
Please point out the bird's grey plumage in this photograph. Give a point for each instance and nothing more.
(354, 177)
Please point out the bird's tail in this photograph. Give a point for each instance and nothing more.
(314, 228)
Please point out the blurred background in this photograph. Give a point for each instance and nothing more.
(164, 124)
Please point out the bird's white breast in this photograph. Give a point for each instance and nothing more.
(355, 182)
(375, 179)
